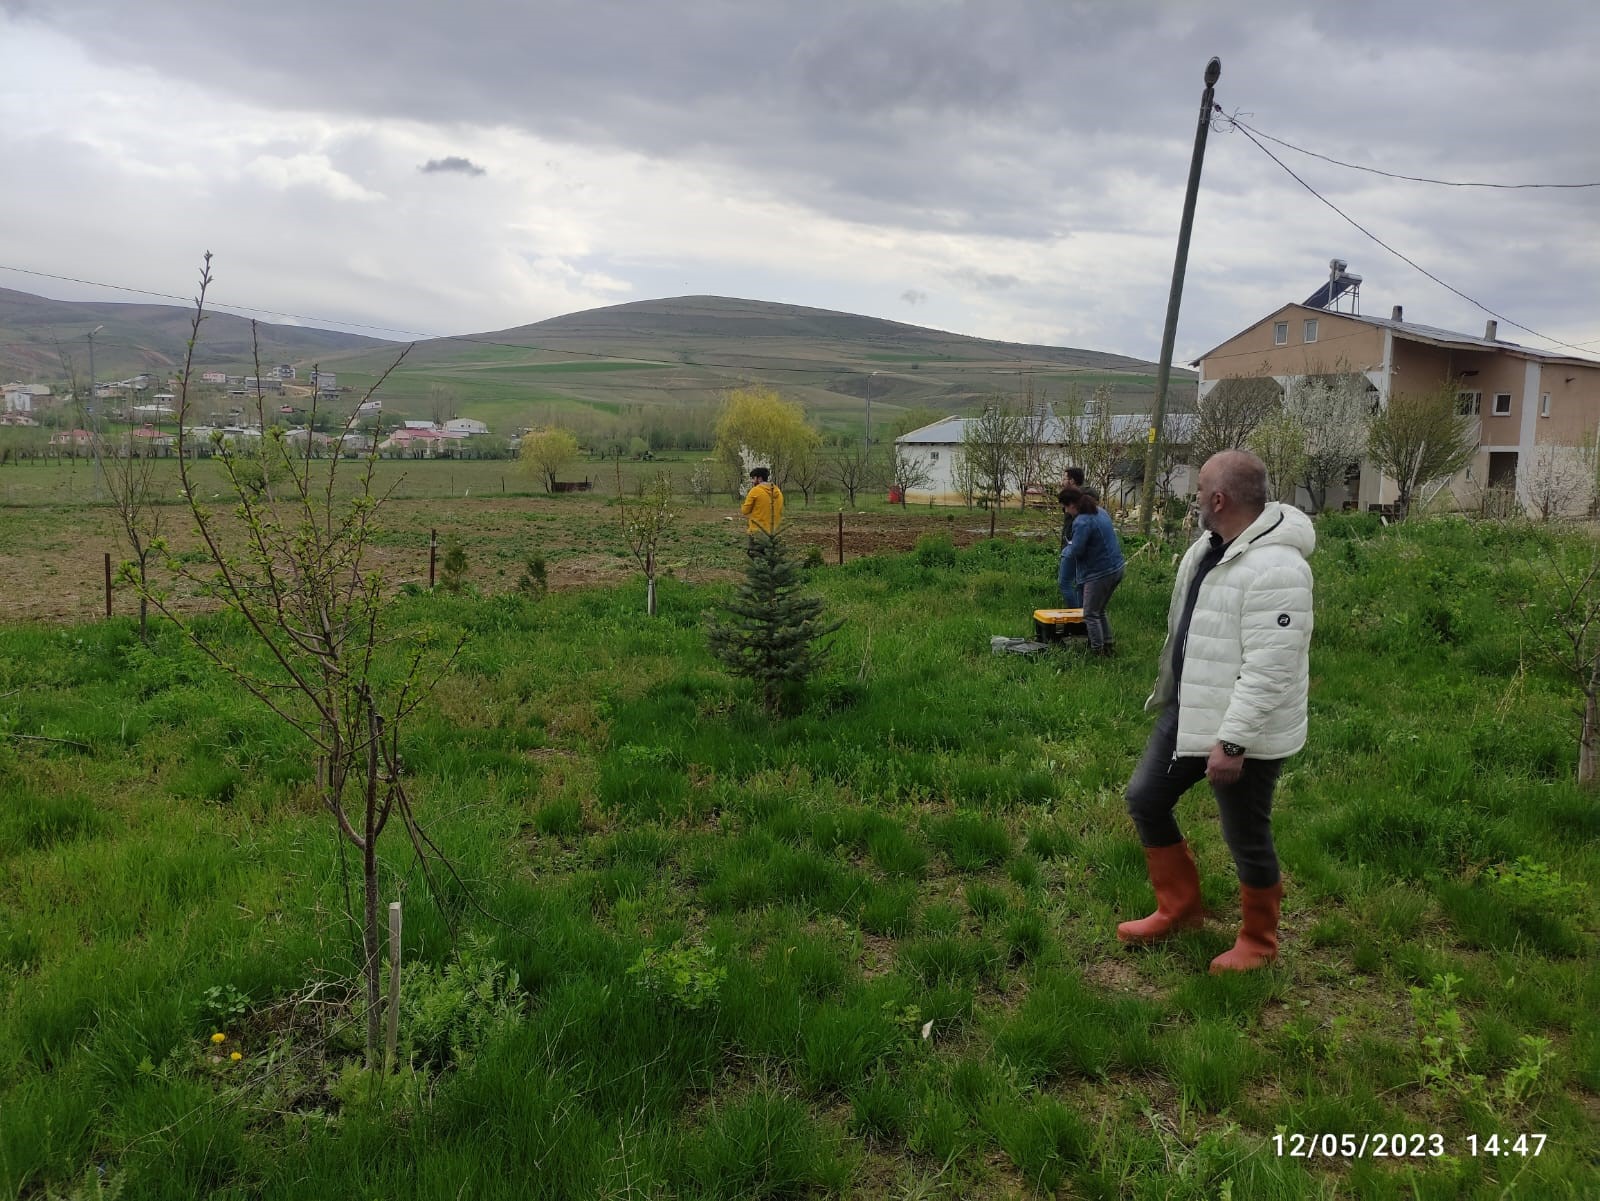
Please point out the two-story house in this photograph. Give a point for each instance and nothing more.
(1538, 410)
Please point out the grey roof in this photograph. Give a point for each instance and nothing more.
(1433, 333)
(945, 430)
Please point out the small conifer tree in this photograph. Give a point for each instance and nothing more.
(770, 633)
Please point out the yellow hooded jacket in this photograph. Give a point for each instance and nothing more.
(763, 505)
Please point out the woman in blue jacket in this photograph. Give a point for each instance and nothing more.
(1095, 554)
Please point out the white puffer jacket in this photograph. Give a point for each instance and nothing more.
(1245, 666)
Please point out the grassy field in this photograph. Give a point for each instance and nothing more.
(55, 531)
(865, 950)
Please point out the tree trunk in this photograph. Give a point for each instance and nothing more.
(369, 863)
(1589, 736)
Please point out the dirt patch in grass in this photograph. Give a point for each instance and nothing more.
(52, 561)
(1119, 974)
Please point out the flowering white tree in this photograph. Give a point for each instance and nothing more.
(1333, 411)
(1557, 481)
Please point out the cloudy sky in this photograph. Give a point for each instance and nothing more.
(1006, 168)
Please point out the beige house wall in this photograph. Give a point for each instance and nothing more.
(1574, 404)
(1339, 341)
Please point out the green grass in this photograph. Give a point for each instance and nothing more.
(893, 910)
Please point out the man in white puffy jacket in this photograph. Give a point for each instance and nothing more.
(1231, 699)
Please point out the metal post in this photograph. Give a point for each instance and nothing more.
(108, 583)
(1175, 296)
(841, 534)
(433, 555)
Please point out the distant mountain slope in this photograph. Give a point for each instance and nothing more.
(688, 350)
(36, 332)
(720, 319)
(633, 364)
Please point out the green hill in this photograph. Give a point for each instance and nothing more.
(632, 359)
(639, 367)
(45, 341)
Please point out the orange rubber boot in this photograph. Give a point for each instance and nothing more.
(1257, 944)
(1177, 884)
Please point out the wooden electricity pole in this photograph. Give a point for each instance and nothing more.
(1158, 417)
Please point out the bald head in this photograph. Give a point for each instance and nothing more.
(1232, 491)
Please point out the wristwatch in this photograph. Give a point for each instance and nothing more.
(1231, 749)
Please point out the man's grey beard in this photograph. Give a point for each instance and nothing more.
(1204, 519)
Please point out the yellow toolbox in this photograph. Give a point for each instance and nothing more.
(1052, 625)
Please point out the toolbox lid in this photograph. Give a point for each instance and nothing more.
(1056, 617)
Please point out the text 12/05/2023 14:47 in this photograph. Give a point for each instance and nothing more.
(1402, 1146)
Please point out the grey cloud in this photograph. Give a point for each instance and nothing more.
(1016, 119)
(960, 115)
(454, 163)
(913, 296)
(986, 281)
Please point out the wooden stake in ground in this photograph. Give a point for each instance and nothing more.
(392, 1035)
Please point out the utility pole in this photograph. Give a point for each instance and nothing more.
(866, 438)
(1158, 418)
(94, 412)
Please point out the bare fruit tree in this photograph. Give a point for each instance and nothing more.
(1230, 412)
(1038, 450)
(991, 447)
(645, 522)
(1420, 438)
(1568, 623)
(130, 479)
(288, 556)
(854, 467)
(1101, 449)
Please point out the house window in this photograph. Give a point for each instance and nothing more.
(1502, 404)
(1280, 334)
(1311, 330)
(1468, 403)
(933, 456)
(1544, 404)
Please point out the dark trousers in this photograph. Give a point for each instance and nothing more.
(1096, 596)
(1246, 806)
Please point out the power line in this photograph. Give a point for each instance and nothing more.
(1397, 254)
(1448, 183)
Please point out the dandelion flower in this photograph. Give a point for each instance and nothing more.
(219, 1037)
(236, 1057)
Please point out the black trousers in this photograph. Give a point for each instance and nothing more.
(1246, 806)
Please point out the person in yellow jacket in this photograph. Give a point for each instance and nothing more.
(763, 504)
